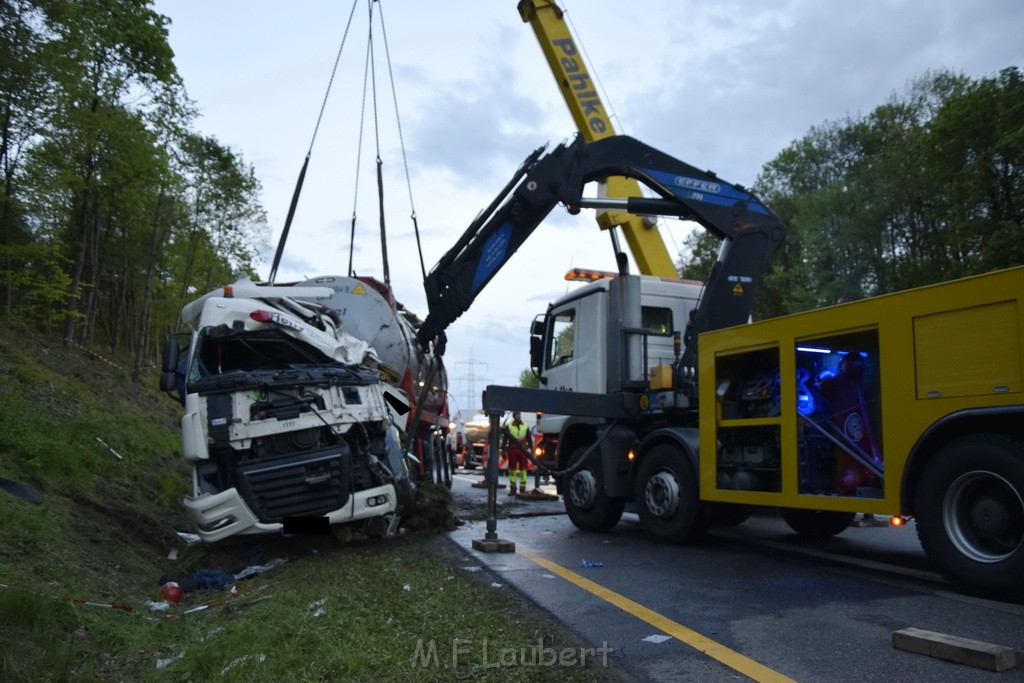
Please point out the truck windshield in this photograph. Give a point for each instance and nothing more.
(251, 351)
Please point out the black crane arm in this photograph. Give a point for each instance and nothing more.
(750, 230)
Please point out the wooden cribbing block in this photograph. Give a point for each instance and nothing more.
(955, 649)
(490, 546)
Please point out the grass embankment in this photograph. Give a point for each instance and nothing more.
(395, 609)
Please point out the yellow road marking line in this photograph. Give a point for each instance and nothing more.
(732, 659)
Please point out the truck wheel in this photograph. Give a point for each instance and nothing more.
(666, 497)
(588, 506)
(446, 464)
(817, 523)
(970, 513)
(440, 464)
(429, 465)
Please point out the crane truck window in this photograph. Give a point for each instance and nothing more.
(562, 336)
(656, 320)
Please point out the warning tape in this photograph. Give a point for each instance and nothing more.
(98, 356)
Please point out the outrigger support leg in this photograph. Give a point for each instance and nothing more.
(490, 542)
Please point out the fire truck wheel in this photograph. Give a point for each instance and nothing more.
(817, 523)
(970, 513)
(588, 506)
(666, 497)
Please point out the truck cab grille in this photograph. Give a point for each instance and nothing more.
(313, 483)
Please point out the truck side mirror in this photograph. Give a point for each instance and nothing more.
(170, 357)
(168, 382)
(536, 353)
(537, 328)
(169, 378)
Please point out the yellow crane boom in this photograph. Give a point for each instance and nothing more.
(592, 120)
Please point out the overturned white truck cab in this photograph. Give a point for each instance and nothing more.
(287, 423)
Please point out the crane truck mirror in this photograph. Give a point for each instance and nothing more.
(536, 353)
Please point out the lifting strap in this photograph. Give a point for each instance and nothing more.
(401, 142)
(370, 86)
(309, 152)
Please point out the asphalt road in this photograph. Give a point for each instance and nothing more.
(751, 602)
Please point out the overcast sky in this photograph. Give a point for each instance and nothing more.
(724, 86)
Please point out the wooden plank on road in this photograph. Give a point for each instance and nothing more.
(955, 649)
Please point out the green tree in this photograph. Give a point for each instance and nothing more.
(700, 250)
(977, 151)
(528, 380)
(112, 209)
(226, 225)
(926, 187)
(109, 51)
(25, 90)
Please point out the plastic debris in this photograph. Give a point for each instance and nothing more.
(657, 638)
(161, 606)
(189, 538)
(212, 633)
(496, 585)
(173, 554)
(588, 563)
(112, 451)
(316, 608)
(201, 608)
(259, 568)
(162, 663)
(242, 659)
(407, 588)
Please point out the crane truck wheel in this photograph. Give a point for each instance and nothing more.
(970, 513)
(666, 497)
(588, 506)
(817, 523)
